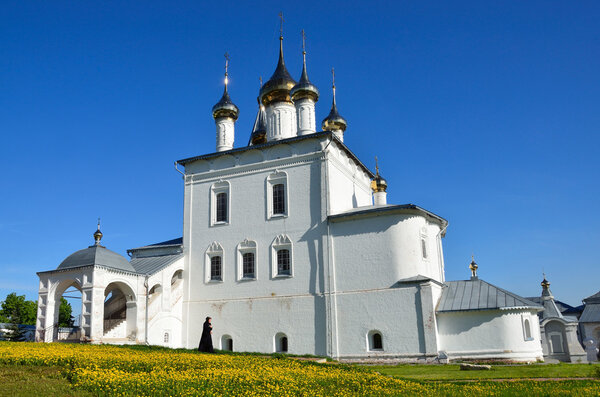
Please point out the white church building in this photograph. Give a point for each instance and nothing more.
(290, 245)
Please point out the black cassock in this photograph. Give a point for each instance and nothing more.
(206, 339)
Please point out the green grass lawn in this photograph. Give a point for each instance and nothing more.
(26, 381)
(453, 372)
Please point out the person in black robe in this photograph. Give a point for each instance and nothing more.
(206, 338)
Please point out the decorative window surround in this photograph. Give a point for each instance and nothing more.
(217, 189)
(244, 248)
(281, 243)
(527, 335)
(273, 180)
(374, 341)
(214, 250)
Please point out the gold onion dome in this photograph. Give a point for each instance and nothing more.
(378, 184)
(278, 88)
(225, 107)
(334, 121)
(98, 234)
(304, 88)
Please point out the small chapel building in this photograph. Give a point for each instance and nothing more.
(290, 245)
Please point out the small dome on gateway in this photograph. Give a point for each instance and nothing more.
(96, 255)
(225, 107)
(334, 121)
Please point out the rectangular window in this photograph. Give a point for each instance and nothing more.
(215, 268)
(221, 207)
(279, 198)
(283, 262)
(424, 248)
(248, 265)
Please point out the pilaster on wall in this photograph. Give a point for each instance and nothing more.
(428, 318)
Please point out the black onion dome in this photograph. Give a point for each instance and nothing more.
(304, 88)
(225, 107)
(378, 184)
(259, 131)
(334, 121)
(277, 89)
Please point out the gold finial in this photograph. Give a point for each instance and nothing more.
(98, 234)
(545, 283)
(473, 266)
(376, 166)
(333, 83)
(260, 79)
(281, 25)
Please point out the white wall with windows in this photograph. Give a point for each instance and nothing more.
(489, 334)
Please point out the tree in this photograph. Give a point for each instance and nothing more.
(65, 317)
(16, 310)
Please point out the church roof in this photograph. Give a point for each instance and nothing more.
(370, 210)
(466, 295)
(152, 264)
(563, 307)
(591, 313)
(593, 299)
(279, 142)
(96, 255)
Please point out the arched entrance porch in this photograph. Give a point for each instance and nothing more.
(119, 312)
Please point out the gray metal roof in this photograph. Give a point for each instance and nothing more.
(369, 210)
(152, 264)
(591, 313)
(477, 294)
(593, 299)
(564, 308)
(96, 255)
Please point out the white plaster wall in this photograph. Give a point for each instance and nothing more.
(225, 133)
(348, 184)
(253, 323)
(377, 251)
(248, 219)
(489, 334)
(404, 317)
(281, 121)
(305, 110)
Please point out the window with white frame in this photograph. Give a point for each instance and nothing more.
(277, 195)
(213, 268)
(423, 242)
(282, 258)
(220, 203)
(246, 258)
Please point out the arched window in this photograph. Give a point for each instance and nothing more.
(227, 343)
(214, 263)
(527, 330)
(281, 343)
(277, 197)
(282, 257)
(177, 277)
(246, 260)
(375, 341)
(220, 198)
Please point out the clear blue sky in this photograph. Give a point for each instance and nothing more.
(486, 113)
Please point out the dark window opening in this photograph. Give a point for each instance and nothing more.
(377, 342)
(248, 265)
(279, 199)
(283, 262)
(284, 344)
(215, 268)
(222, 207)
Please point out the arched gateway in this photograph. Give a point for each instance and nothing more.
(114, 294)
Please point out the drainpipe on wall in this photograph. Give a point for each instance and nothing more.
(146, 321)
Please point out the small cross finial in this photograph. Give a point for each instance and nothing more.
(472, 257)
(226, 68)
(281, 24)
(260, 79)
(376, 165)
(303, 42)
(333, 77)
